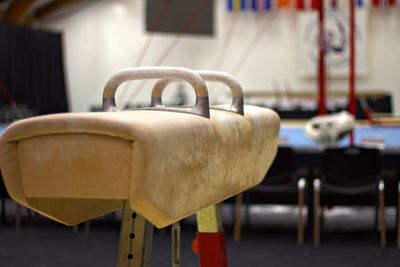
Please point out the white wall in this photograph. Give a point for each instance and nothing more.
(108, 36)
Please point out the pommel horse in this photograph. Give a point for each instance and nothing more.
(160, 164)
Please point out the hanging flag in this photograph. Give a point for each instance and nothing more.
(254, 4)
(334, 4)
(383, 3)
(284, 4)
(268, 5)
(236, 5)
(243, 5)
(258, 5)
(229, 5)
(342, 4)
(307, 4)
(261, 5)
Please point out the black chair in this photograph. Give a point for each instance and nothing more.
(398, 207)
(398, 216)
(349, 176)
(280, 186)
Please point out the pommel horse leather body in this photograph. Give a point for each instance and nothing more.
(77, 166)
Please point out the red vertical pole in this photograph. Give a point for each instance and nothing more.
(352, 65)
(321, 60)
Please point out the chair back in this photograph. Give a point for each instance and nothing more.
(3, 191)
(351, 166)
(283, 168)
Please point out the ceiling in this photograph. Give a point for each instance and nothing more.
(30, 11)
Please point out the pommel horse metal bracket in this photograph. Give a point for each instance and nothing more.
(135, 240)
(214, 76)
(201, 106)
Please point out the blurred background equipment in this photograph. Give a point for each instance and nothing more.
(327, 130)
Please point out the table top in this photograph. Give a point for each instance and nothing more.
(373, 136)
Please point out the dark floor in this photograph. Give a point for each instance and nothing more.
(348, 240)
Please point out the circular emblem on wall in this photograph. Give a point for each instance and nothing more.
(335, 42)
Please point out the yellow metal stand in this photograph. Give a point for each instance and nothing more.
(210, 242)
(135, 239)
(137, 234)
(209, 220)
(237, 219)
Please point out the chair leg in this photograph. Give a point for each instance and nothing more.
(317, 210)
(300, 219)
(237, 223)
(18, 218)
(381, 196)
(87, 227)
(376, 219)
(29, 214)
(3, 209)
(176, 244)
(247, 218)
(398, 216)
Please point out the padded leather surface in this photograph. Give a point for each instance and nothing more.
(76, 166)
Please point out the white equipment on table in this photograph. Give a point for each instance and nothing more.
(327, 130)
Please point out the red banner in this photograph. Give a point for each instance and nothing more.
(383, 3)
(307, 4)
(284, 3)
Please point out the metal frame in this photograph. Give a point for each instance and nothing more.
(301, 184)
(201, 106)
(137, 234)
(135, 239)
(382, 221)
(213, 76)
(317, 212)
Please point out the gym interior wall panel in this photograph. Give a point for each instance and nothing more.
(32, 69)
(177, 16)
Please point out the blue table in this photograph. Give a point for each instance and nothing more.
(294, 136)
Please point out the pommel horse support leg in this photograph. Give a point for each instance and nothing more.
(159, 164)
(210, 242)
(135, 240)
